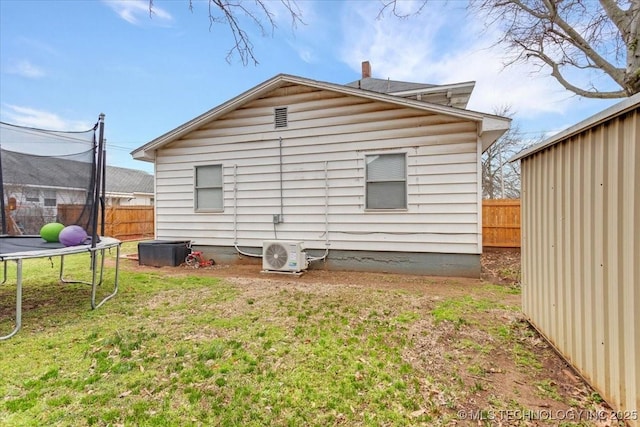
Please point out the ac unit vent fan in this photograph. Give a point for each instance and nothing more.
(276, 255)
(284, 255)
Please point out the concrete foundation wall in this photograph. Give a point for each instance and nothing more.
(429, 264)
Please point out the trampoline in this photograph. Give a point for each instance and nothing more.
(65, 185)
(19, 248)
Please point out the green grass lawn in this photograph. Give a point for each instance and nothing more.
(176, 348)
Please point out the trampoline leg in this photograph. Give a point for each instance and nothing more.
(4, 278)
(62, 269)
(96, 278)
(18, 299)
(94, 264)
(101, 264)
(96, 283)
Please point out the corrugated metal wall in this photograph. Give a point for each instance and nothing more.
(581, 253)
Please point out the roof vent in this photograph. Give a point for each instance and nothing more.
(281, 117)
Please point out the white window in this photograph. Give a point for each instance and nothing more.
(50, 198)
(208, 188)
(32, 196)
(386, 181)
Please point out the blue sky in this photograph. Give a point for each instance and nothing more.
(64, 62)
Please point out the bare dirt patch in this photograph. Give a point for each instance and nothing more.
(482, 365)
(501, 265)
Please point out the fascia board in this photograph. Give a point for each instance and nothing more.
(145, 152)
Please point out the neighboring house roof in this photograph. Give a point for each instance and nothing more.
(615, 110)
(387, 85)
(454, 95)
(57, 172)
(491, 127)
(123, 180)
(43, 171)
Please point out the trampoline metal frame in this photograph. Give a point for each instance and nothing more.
(96, 279)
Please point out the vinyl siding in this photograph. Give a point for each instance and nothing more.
(323, 176)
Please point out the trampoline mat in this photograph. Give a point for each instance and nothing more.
(11, 244)
(35, 246)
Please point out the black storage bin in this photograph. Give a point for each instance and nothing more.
(159, 253)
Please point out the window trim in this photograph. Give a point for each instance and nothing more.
(405, 208)
(196, 188)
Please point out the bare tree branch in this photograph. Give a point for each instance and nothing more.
(393, 5)
(557, 74)
(500, 177)
(257, 13)
(568, 37)
(572, 35)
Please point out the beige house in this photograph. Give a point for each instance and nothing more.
(581, 249)
(375, 175)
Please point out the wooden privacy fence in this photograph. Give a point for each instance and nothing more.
(121, 222)
(501, 223)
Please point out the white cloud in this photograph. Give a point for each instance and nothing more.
(36, 45)
(134, 11)
(305, 53)
(444, 45)
(308, 39)
(397, 49)
(527, 92)
(25, 68)
(31, 117)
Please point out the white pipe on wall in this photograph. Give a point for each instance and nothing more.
(326, 216)
(235, 216)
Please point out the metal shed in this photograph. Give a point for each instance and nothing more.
(581, 249)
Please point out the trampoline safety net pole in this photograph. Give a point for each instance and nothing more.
(98, 183)
(103, 190)
(3, 218)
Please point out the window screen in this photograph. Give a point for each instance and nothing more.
(208, 188)
(386, 181)
(50, 198)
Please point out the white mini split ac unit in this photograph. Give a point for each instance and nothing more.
(284, 255)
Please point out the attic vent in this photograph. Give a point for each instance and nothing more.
(281, 117)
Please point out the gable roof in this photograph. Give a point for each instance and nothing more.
(124, 180)
(56, 172)
(43, 171)
(387, 85)
(453, 95)
(490, 129)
